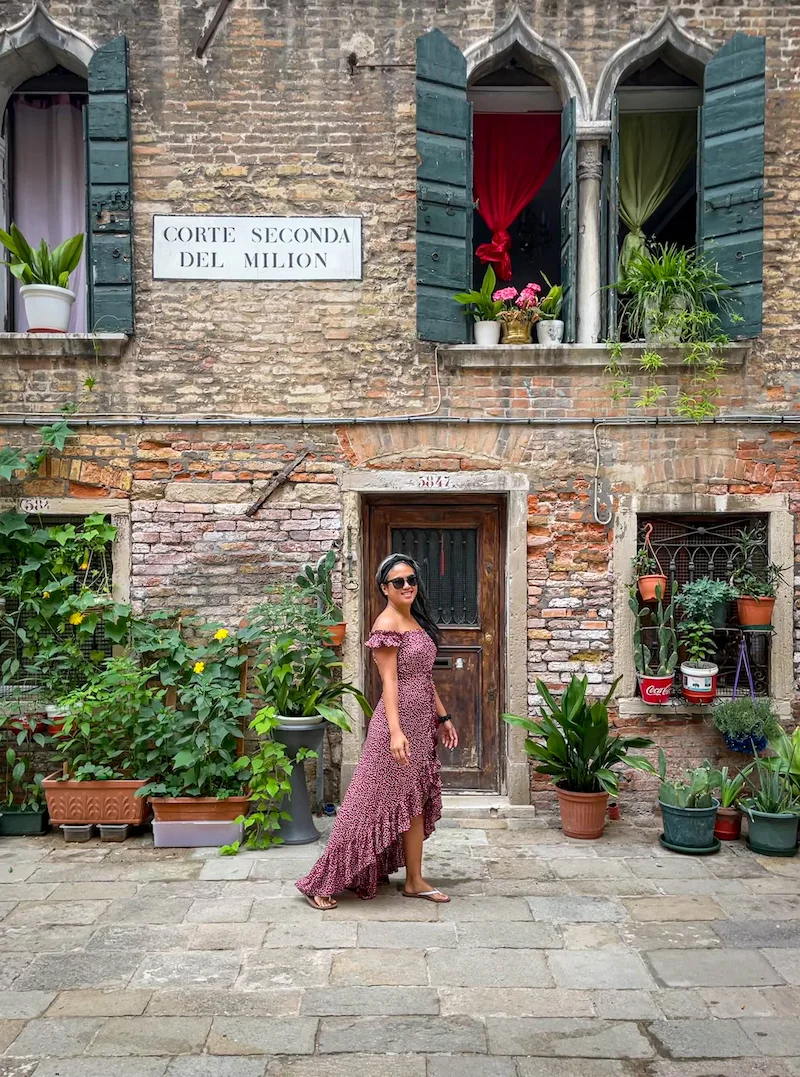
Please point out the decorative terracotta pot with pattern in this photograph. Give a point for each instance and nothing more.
(583, 815)
(112, 801)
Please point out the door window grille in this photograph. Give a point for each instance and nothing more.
(692, 547)
(448, 560)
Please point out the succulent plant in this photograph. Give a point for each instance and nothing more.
(695, 790)
(665, 634)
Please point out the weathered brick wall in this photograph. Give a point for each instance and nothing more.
(271, 122)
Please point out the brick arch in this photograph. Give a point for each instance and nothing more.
(413, 446)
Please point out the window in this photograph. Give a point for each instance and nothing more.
(26, 683)
(65, 162)
(47, 182)
(685, 165)
(515, 97)
(691, 547)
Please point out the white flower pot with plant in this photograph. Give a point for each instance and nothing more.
(484, 310)
(698, 674)
(550, 328)
(44, 275)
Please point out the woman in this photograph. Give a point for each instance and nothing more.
(395, 796)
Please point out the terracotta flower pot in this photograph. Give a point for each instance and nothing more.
(335, 634)
(728, 824)
(198, 809)
(583, 815)
(754, 612)
(112, 801)
(648, 585)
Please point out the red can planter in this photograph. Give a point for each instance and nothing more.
(728, 824)
(655, 690)
(648, 585)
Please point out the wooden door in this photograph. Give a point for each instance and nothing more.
(458, 547)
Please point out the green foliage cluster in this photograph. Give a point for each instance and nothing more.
(695, 790)
(41, 265)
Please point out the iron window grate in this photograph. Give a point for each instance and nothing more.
(448, 560)
(691, 547)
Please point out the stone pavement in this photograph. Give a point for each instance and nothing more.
(555, 958)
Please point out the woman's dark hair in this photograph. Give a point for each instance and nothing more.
(420, 607)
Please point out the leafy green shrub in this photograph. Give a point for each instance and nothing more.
(573, 742)
(746, 718)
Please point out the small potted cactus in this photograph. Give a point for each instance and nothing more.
(655, 674)
(689, 808)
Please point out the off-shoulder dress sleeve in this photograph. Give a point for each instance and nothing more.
(385, 639)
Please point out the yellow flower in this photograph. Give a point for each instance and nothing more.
(75, 618)
(45, 594)
(85, 565)
(222, 634)
(199, 667)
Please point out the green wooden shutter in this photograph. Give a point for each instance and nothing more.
(444, 189)
(109, 186)
(569, 219)
(731, 195)
(610, 222)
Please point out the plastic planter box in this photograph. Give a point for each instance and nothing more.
(15, 823)
(192, 834)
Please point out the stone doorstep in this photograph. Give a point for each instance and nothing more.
(477, 806)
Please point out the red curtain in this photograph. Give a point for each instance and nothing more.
(514, 154)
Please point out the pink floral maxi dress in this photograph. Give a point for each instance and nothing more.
(366, 844)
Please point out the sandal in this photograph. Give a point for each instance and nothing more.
(429, 895)
(311, 899)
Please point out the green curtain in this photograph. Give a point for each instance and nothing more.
(654, 149)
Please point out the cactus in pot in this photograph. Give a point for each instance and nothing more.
(689, 808)
(655, 675)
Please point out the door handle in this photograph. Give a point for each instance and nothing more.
(488, 638)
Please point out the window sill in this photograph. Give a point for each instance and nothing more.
(634, 707)
(545, 358)
(66, 346)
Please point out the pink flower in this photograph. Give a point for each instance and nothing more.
(528, 297)
(530, 287)
(504, 294)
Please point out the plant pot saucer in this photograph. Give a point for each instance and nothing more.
(691, 850)
(769, 852)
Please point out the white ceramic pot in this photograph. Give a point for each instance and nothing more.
(487, 334)
(549, 331)
(47, 308)
(311, 719)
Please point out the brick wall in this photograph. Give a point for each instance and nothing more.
(271, 122)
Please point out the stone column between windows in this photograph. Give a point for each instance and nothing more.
(590, 176)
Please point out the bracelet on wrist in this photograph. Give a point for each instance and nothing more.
(442, 718)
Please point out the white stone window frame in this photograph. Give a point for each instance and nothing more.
(514, 487)
(30, 47)
(780, 531)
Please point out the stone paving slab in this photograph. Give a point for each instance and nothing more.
(562, 958)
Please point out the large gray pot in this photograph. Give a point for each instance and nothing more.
(300, 829)
(690, 828)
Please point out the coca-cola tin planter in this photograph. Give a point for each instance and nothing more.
(656, 690)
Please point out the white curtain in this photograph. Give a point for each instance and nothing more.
(49, 189)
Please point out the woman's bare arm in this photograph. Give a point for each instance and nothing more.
(386, 659)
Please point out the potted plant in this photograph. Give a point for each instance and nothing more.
(688, 808)
(755, 579)
(549, 327)
(787, 755)
(317, 583)
(484, 310)
(728, 822)
(650, 580)
(519, 312)
(699, 676)
(772, 810)
(747, 724)
(22, 801)
(705, 599)
(298, 678)
(103, 747)
(574, 745)
(670, 297)
(44, 275)
(655, 676)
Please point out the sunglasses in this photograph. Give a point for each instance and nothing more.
(401, 582)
